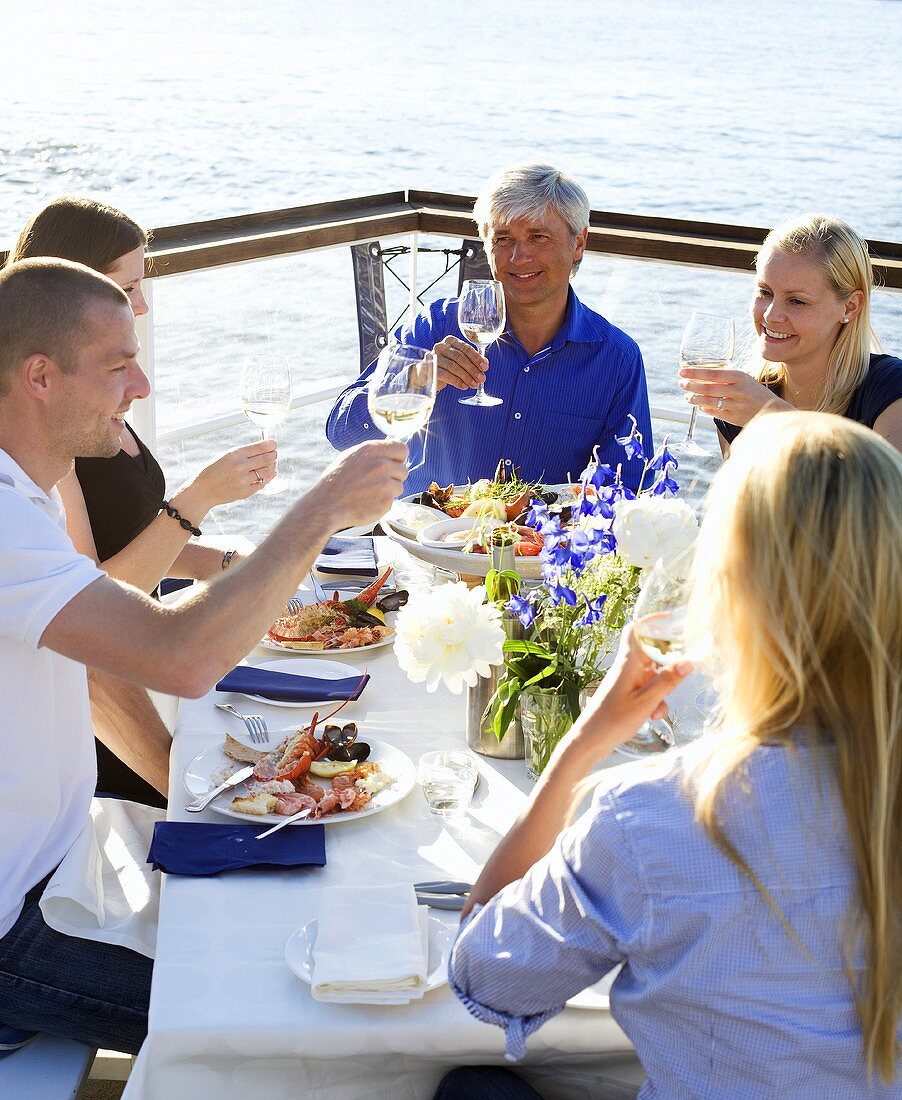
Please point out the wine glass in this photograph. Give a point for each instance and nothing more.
(480, 315)
(401, 392)
(659, 622)
(266, 398)
(707, 342)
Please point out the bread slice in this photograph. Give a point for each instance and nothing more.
(237, 750)
(258, 804)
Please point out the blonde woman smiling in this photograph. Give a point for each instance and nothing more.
(750, 884)
(811, 312)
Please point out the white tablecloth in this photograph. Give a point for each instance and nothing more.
(229, 1021)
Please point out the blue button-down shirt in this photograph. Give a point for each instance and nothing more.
(718, 999)
(558, 404)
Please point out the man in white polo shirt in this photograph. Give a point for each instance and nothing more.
(68, 374)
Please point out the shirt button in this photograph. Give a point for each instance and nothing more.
(507, 462)
(526, 370)
(516, 416)
(366, 425)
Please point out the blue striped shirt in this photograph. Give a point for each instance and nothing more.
(571, 395)
(717, 998)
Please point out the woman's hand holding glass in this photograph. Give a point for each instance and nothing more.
(707, 342)
(401, 392)
(730, 395)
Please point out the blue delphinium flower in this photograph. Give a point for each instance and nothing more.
(593, 611)
(632, 442)
(663, 459)
(561, 593)
(665, 484)
(523, 609)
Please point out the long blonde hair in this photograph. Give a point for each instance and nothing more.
(799, 582)
(844, 260)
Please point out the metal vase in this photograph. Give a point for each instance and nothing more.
(480, 736)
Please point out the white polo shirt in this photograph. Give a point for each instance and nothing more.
(48, 766)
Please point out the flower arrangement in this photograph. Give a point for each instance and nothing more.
(449, 634)
(591, 572)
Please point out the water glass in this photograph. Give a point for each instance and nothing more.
(448, 779)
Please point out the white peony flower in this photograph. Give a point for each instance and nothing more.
(653, 527)
(449, 633)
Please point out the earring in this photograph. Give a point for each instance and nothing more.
(844, 321)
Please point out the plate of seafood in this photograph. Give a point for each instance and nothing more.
(345, 622)
(326, 769)
(439, 941)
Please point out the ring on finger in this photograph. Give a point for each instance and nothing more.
(720, 402)
(257, 479)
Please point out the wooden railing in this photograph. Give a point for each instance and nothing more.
(199, 245)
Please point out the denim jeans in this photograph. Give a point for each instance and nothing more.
(497, 1083)
(94, 992)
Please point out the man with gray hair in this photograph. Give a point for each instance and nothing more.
(68, 374)
(569, 379)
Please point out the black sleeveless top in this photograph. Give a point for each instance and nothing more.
(122, 495)
(882, 385)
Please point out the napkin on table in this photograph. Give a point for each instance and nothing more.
(199, 848)
(353, 557)
(371, 946)
(288, 687)
(103, 890)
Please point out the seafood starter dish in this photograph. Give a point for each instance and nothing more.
(337, 623)
(284, 781)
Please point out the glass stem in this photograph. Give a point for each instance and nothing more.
(692, 419)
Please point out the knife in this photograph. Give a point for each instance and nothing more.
(234, 779)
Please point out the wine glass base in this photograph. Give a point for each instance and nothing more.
(646, 742)
(689, 447)
(483, 399)
(276, 486)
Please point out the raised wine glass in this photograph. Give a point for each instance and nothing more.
(481, 315)
(266, 398)
(401, 392)
(659, 622)
(707, 342)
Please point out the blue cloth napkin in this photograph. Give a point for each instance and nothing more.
(350, 557)
(286, 687)
(198, 848)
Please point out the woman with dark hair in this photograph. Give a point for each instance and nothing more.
(812, 315)
(750, 884)
(117, 509)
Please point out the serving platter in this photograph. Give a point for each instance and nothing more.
(207, 769)
(307, 597)
(473, 565)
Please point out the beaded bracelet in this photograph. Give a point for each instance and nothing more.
(185, 524)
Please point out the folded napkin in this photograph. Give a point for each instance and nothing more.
(197, 848)
(103, 890)
(351, 557)
(290, 688)
(386, 964)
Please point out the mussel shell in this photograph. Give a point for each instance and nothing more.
(393, 600)
(364, 618)
(359, 751)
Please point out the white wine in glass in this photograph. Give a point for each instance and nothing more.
(481, 317)
(707, 342)
(266, 398)
(401, 392)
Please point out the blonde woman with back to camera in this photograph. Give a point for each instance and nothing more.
(751, 883)
(812, 315)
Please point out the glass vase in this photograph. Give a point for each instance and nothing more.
(545, 718)
(480, 735)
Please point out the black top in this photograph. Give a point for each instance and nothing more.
(882, 385)
(122, 494)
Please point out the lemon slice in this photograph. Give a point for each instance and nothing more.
(325, 769)
(376, 613)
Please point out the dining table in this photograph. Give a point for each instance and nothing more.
(230, 1020)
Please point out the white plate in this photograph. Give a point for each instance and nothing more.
(199, 772)
(325, 670)
(596, 996)
(434, 534)
(308, 597)
(408, 518)
(299, 951)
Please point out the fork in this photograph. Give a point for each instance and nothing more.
(294, 606)
(254, 723)
(318, 589)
